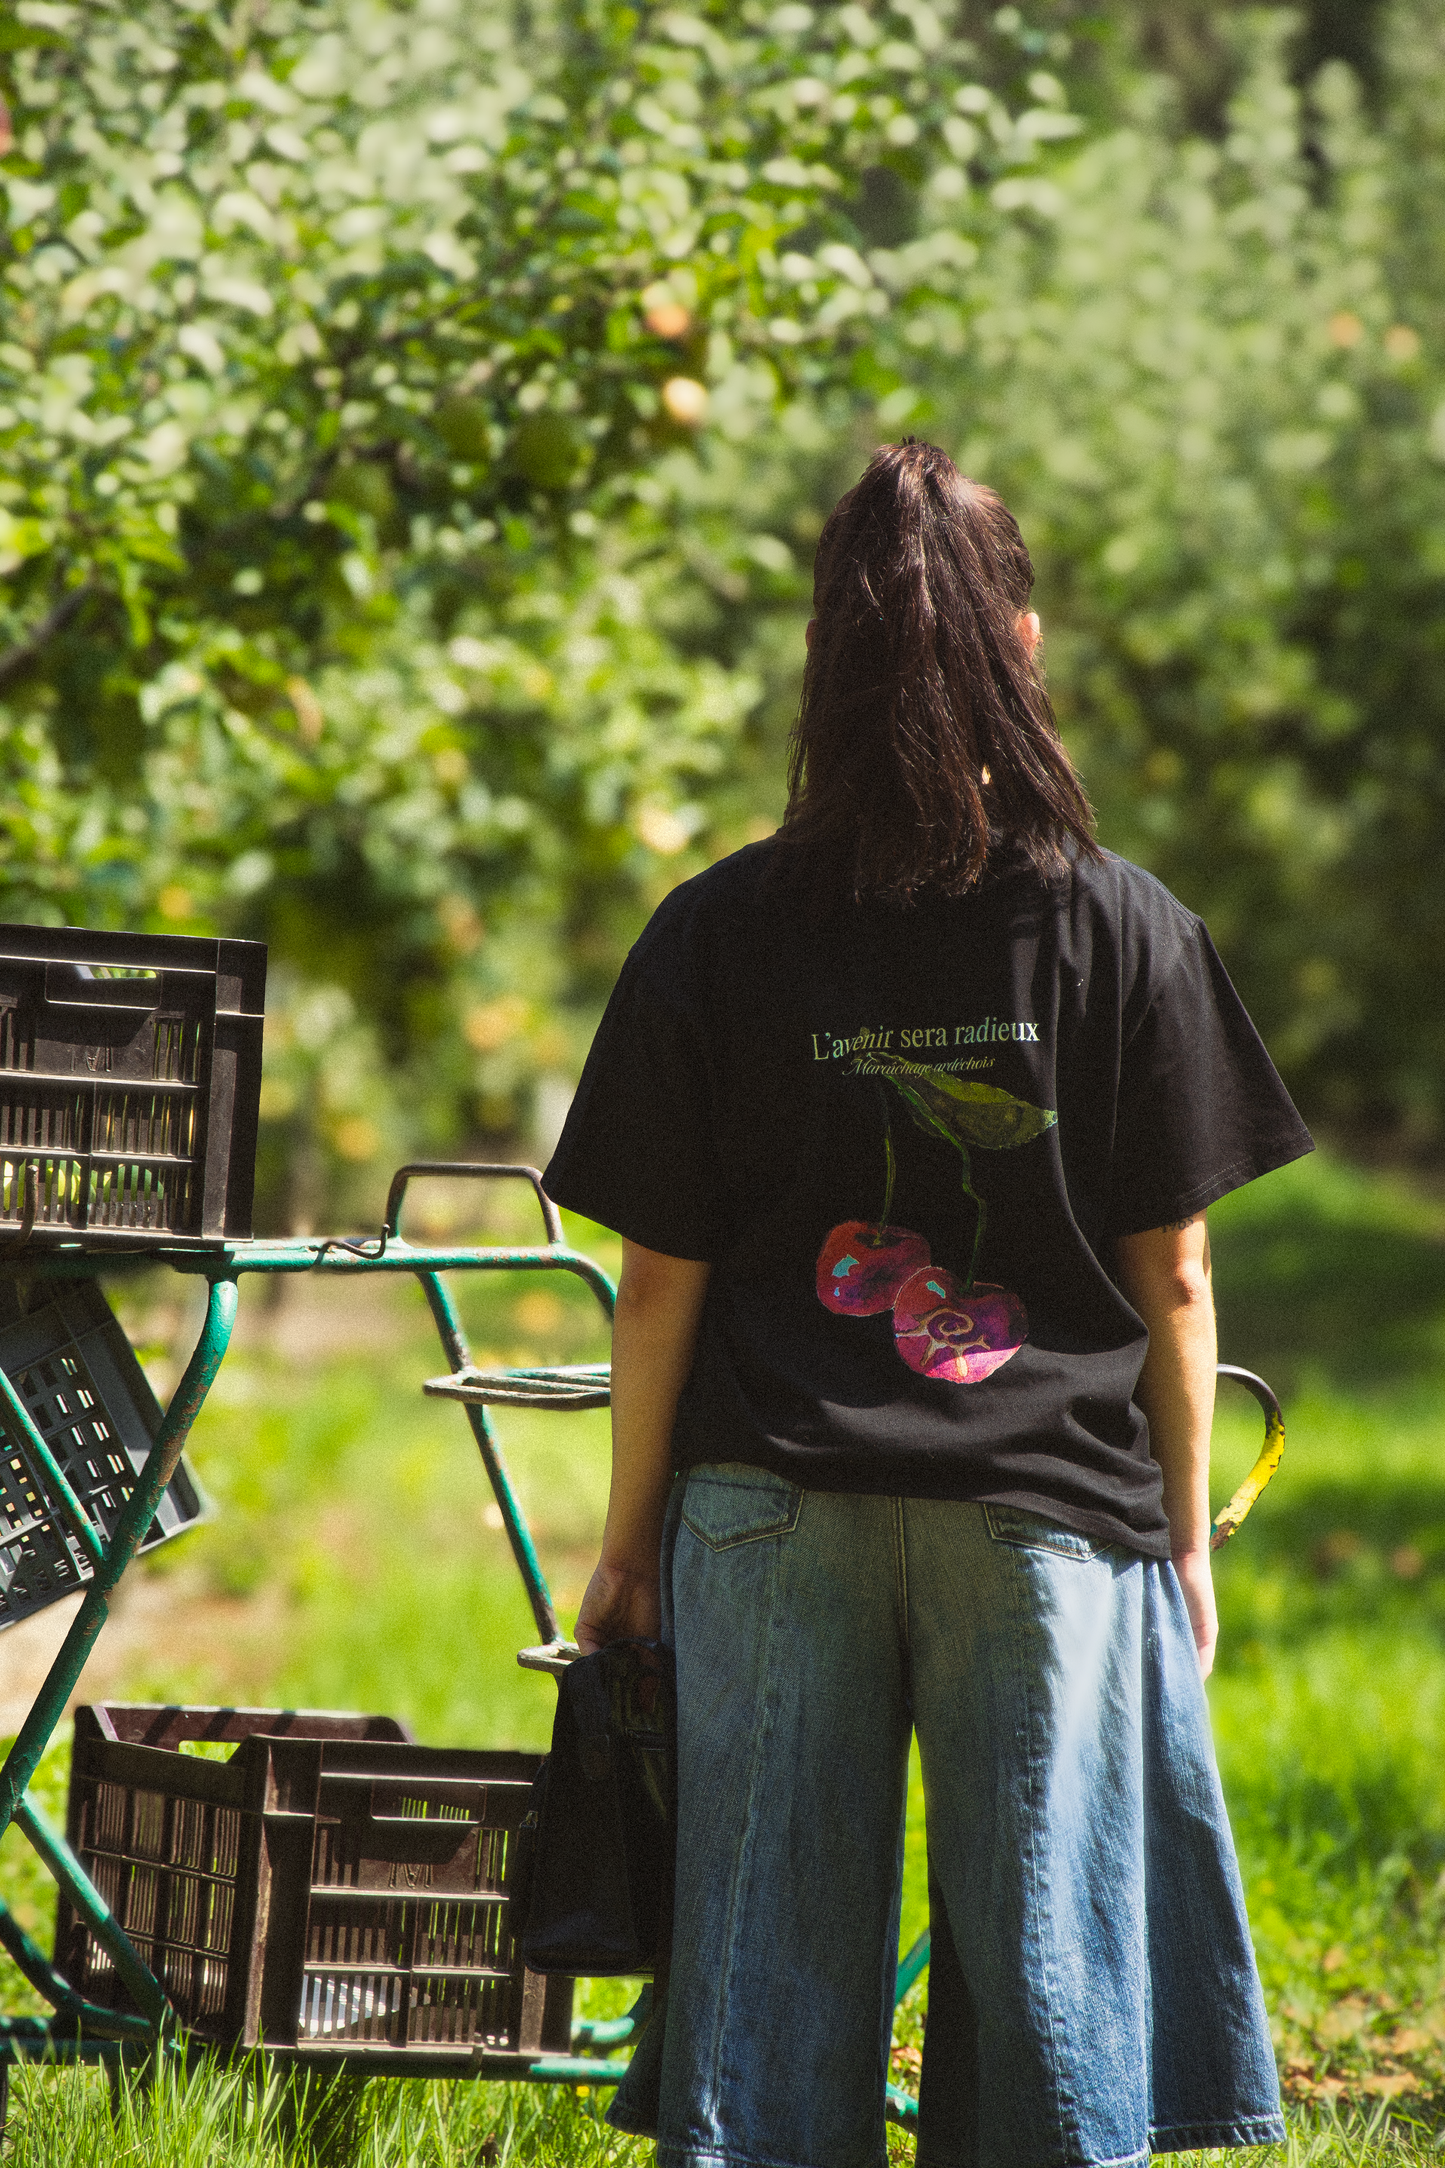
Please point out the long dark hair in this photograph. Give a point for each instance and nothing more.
(925, 737)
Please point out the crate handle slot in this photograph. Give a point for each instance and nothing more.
(79, 986)
(473, 1815)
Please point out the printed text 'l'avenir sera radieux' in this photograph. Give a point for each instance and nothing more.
(925, 1038)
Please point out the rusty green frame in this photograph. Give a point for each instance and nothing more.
(78, 2029)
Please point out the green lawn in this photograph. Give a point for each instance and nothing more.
(352, 1562)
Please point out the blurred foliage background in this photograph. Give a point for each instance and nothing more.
(415, 423)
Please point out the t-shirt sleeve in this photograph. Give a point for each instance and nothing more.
(1201, 1108)
(638, 1152)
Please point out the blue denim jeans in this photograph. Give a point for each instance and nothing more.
(1092, 1994)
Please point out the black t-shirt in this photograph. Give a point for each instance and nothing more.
(905, 1140)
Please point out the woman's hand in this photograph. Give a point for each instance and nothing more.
(620, 1605)
(1197, 1583)
(659, 1303)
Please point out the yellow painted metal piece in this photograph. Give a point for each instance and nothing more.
(1228, 1520)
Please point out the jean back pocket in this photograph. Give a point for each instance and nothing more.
(1028, 1531)
(727, 1503)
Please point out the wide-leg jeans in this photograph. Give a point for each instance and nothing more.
(1093, 1994)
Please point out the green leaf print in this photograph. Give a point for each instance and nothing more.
(964, 1113)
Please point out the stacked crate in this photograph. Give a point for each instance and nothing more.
(331, 1886)
(130, 1078)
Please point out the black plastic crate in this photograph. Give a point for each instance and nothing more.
(332, 1888)
(63, 1350)
(130, 1077)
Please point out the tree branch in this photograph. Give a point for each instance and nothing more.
(19, 658)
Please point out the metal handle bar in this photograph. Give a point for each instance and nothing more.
(390, 1228)
(551, 1219)
(1228, 1520)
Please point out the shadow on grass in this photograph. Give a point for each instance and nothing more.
(1350, 1535)
(1326, 1273)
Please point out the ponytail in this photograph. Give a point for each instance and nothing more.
(925, 737)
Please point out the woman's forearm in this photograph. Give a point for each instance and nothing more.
(654, 1332)
(659, 1303)
(1165, 1274)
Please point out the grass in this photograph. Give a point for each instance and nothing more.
(214, 2116)
(353, 1560)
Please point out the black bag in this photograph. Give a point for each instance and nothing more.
(592, 1890)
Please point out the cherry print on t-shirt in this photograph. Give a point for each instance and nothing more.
(955, 1330)
(944, 1330)
(861, 1266)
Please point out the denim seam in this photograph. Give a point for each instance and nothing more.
(900, 1568)
(783, 1526)
(747, 1535)
(1035, 1881)
(1151, 1714)
(720, 2156)
(1110, 2160)
(1244, 2130)
(1056, 1540)
(761, 1735)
